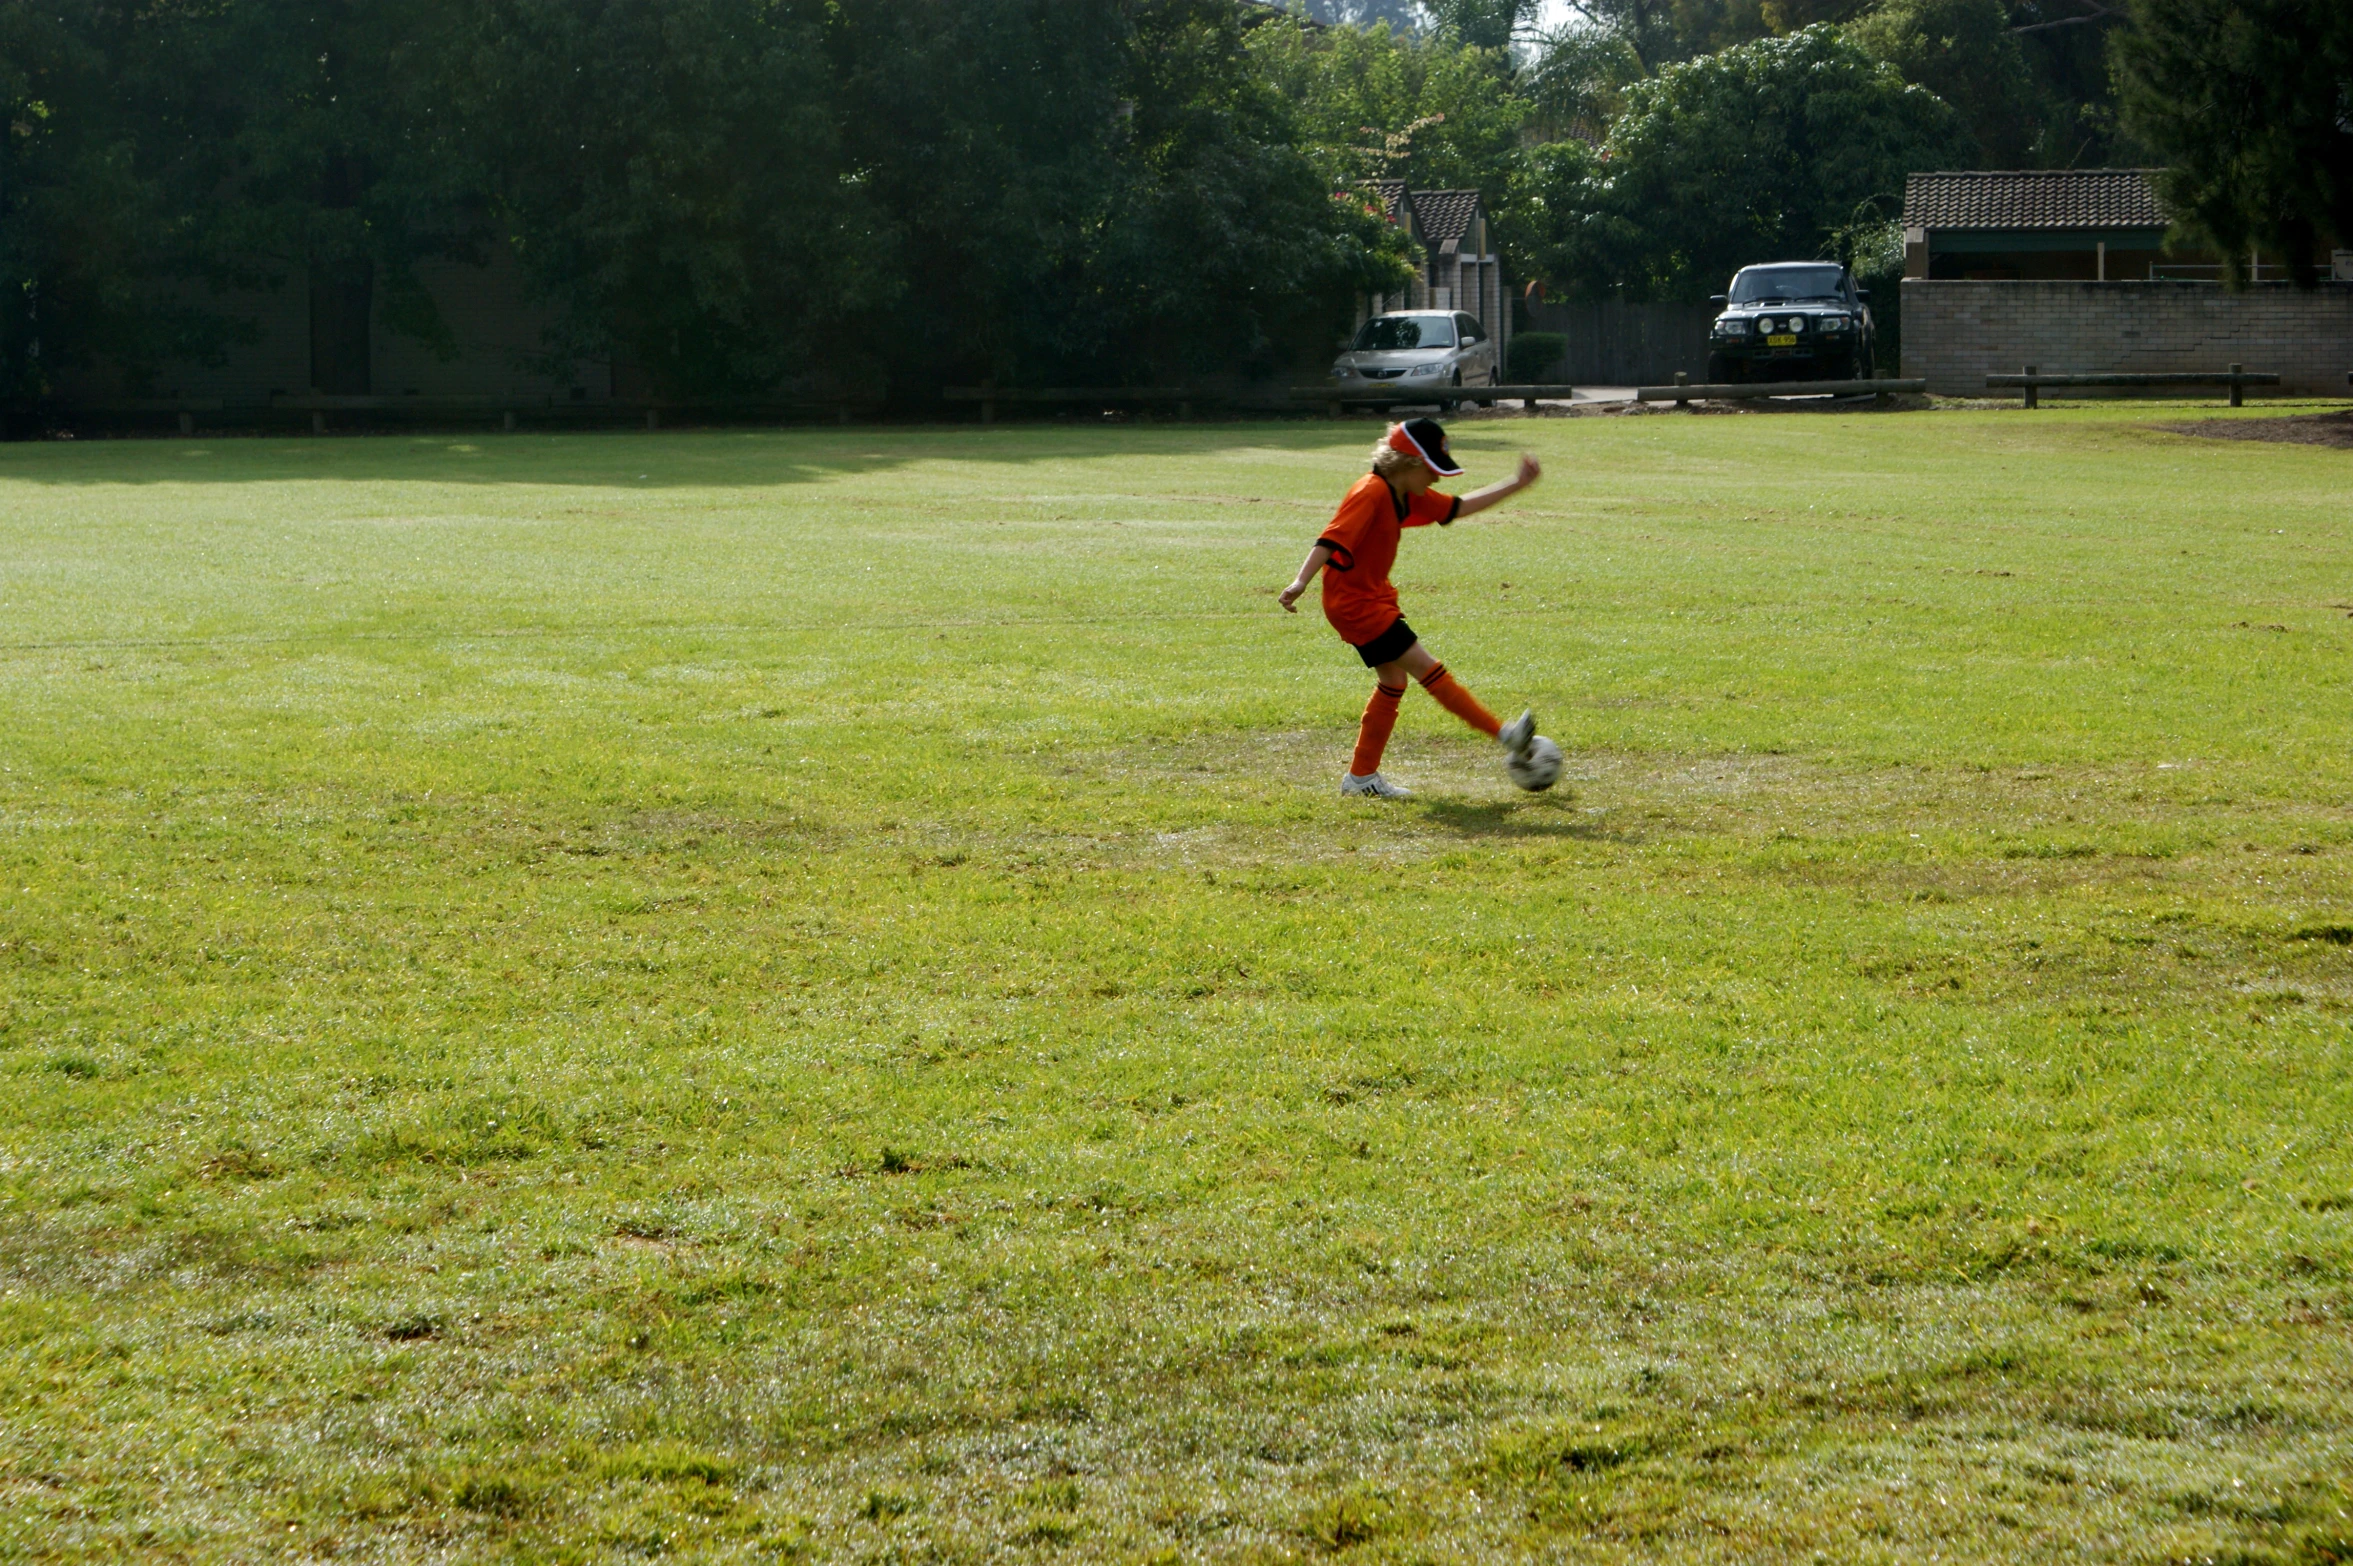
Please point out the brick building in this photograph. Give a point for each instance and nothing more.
(2068, 269)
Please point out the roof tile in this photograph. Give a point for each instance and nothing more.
(2034, 198)
(1445, 215)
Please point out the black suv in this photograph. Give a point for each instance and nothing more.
(1791, 321)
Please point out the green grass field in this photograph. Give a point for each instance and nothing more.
(752, 995)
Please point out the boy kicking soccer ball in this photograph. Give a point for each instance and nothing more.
(1354, 554)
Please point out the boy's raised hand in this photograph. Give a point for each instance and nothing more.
(1530, 469)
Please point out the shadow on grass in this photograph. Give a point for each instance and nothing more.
(1519, 818)
(625, 459)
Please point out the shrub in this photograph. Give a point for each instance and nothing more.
(1533, 355)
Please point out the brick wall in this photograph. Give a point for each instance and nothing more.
(1958, 333)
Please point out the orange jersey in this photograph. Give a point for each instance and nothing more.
(1362, 536)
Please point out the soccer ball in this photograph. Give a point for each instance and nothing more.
(1538, 767)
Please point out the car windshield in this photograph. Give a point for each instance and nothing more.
(1763, 284)
(1404, 331)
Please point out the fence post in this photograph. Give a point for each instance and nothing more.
(318, 422)
(2237, 388)
(187, 423)
(507, 421)
(1682, 379)
(1184, 413)
(2032, 401)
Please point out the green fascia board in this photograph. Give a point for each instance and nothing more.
(1947, 241)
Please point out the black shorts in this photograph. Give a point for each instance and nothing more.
(1387, 647)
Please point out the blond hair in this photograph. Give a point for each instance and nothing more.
(1388, 461)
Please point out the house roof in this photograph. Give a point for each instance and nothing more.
(1440, 217)
(1445, 215)
(2034, 199)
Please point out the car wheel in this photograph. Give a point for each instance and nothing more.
(1449, 404)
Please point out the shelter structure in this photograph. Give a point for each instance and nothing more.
(2070, 270)
(2010, 225)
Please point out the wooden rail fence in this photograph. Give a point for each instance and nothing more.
(2237, 378)
(1683, 391)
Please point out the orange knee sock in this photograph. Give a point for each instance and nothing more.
(1372, 735)
(1447, 691)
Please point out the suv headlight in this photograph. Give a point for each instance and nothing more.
(1834, 323)
(1797, 323)
(1732, 328)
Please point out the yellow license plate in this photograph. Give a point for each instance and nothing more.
(1781, 340)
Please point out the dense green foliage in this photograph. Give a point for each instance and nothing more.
(1096, 190)
(674, 175)
(1758, 152)
(2066, 112)
(1533, 354)
(807, 997)
(737, 196)
(2250, 105)
(157, 156)
(720, 195)
(1964, 52)
(1375, 105)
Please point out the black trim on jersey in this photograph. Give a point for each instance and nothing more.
(1343, 558)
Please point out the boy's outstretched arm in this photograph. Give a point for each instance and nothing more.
(1479, 500)
(1314, 562)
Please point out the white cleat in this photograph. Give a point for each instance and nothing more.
(1372, 786)
(1516, 736)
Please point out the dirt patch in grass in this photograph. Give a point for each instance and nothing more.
(2306, 429)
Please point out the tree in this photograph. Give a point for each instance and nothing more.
(1577, 82)
(1404, 16)
(673, 177)
(158, 156)
(1761, 152)
(1093, 191)
(1663, 32)
(2068, 49)
(312, 137)
(1965, 53)
(79, 219)
(1223, 246)
(1482, 24)
(1432, 111)
(2249, 103)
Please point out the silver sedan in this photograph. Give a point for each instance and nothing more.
(1413, 350)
